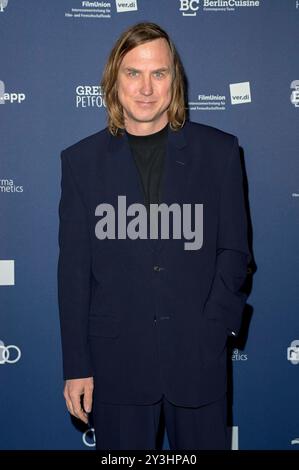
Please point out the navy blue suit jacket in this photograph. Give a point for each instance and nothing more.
(147, 317)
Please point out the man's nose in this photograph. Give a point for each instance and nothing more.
(146, 86)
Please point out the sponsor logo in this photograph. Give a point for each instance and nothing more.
(8, 186)
(228, 5)
(9, 354)
(89, 437)
(189, 7)
(293, 352)
(122, 6)
(3, 5)
(237, 356)
(240, 93)
(208, 103)
(295, 93)
(13, 97)
(89, 10)
(89, 96)
(235, 438)
(7, 272)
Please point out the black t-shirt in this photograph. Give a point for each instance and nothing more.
(149, 155)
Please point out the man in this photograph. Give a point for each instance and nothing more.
(145, 319)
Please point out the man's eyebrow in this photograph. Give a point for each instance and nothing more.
(161, 69)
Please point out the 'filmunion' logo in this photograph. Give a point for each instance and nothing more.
(96, 4)
(189, 7)
(9, 354)
(209, 102)
(293, 352)
(3, 4)
(138, 226)
(295, 93)
(89, 437)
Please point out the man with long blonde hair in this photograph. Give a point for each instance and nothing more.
(144, 315)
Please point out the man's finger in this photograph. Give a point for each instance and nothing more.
(80, 414)
(87, 400)
(70, 407)
(68, 402)
(78, 411)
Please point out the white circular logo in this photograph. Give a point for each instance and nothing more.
(89, 438)
(9, 354)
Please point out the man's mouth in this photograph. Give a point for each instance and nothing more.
(145, 103)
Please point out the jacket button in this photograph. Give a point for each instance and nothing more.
(158, 268)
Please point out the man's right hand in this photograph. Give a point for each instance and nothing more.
(73, 390)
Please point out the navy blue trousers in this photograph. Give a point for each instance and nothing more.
(135, 427)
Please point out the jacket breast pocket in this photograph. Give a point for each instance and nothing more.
(105, 325)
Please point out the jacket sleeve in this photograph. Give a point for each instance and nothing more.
(226, 300)
(74, 277)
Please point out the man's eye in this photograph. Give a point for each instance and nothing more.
(132, 73)
(159, 74)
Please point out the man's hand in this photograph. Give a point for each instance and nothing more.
(73, 390)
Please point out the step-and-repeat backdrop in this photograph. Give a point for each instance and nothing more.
(241, 60)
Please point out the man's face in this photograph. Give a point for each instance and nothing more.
(144, 86)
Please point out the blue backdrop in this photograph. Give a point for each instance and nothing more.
(241, 60)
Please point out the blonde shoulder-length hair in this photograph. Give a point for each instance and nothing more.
(132, 37)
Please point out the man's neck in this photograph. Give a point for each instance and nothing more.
(145, 128)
